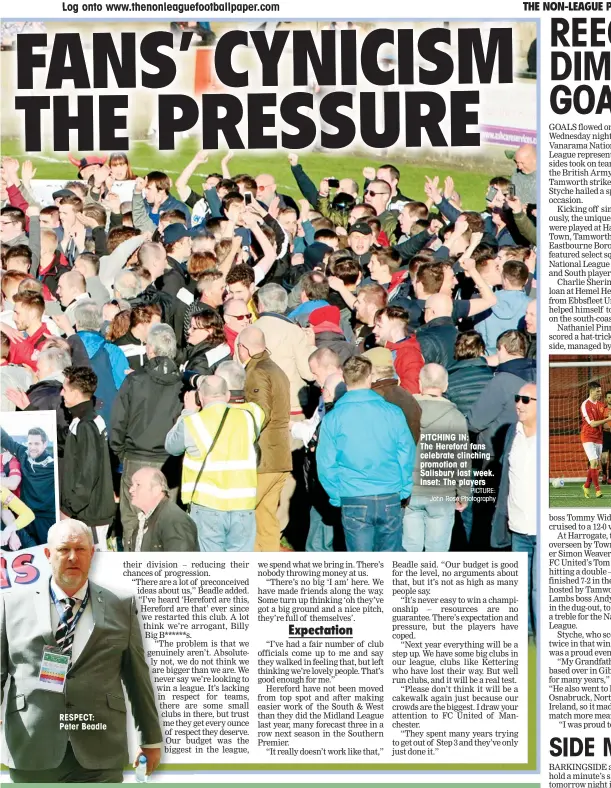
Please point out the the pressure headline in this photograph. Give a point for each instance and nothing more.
(338, 84)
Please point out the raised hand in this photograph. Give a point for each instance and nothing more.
(431, 189)
(112, 201)
(323, 189)
(18, 397)
(86, 221)
(28, 171)
(515, 204)
(304, 210)
(468, 265)
(274, 207)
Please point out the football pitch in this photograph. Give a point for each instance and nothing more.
(470, 182)
(571, 497)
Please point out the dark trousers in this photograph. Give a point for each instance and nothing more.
(39, 529)
(69, 771)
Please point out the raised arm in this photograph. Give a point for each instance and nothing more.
(182, 182)
(225, 165)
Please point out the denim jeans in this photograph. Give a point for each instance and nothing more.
(224, 532)
(320, 535)
(467, 519)
(372, 523)
(427, 525)
(523, 543)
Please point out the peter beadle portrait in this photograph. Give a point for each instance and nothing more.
(68, 645)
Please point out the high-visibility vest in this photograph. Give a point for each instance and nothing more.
(229, 480)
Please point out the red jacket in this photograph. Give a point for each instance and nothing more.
(408, 362)
(27, 352)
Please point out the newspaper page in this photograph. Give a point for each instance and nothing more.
(288, 489)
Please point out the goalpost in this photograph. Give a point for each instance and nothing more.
(568, 388)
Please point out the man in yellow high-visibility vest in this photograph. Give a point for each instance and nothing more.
(219, 477)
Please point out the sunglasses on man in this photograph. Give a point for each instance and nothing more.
(524, 398)
(240, 317)
(371, 193)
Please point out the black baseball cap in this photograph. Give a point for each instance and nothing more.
(360, 227)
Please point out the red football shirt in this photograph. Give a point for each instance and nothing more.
(27, 352)
(592, 411)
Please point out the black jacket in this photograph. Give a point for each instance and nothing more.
(169, 530)
(150, 295)
(437, 339)
(146, 407)
(87, 491)
(52, 275)
(134, 349)
(204, 358)
(173, 279)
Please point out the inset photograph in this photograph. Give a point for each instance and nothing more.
(580, 431)
(30, 500)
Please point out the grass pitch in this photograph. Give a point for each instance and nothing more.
(571, 497)
(472, 184)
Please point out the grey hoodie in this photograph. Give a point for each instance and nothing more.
(443, 430)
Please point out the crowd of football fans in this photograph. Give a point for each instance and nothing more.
(239, 370)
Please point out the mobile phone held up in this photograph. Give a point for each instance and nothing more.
(333, 183)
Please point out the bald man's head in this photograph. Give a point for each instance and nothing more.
(249, 343)
(526, 406)
(266, 188)
(438, 305)
(69, 550)
(70, 285)
(526, 158)
(213, 388)
(68, 526)
(149, 486)
(433, 380)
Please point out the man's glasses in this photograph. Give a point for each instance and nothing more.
(240, 317)
(371, 193)
(524, 398)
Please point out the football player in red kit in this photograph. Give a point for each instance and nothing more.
(593, 416)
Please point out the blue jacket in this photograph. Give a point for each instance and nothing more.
(301, 314)
(365, 448)
(171, 204)
(118, 362)
(506, 314)
(495, 408)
